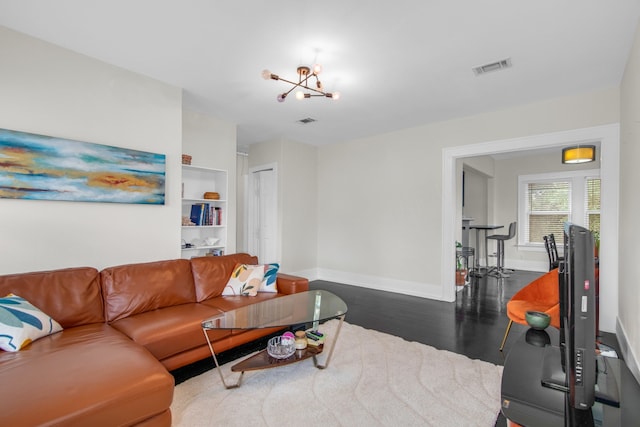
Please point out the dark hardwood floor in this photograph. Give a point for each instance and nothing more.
(473, 325)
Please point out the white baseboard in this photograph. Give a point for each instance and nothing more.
(311, 273)
(418, 289)
(628, 354)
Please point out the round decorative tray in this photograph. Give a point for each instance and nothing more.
(281, 347)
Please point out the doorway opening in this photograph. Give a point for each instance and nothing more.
(608, 136)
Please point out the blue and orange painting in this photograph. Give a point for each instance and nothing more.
(39, 167)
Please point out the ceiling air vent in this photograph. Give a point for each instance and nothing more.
(306, 121)
(494, 66)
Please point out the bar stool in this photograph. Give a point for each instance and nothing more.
(499, 270)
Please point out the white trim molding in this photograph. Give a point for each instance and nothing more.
(417, 289)
(630, 358)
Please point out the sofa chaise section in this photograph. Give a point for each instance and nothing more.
(88, 374)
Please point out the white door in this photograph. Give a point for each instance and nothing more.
(263, 214)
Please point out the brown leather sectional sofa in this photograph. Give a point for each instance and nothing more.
(125, 327)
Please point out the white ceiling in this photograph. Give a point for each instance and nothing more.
(397, 64)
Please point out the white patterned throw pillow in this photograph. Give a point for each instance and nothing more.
(245, 280)
(21, 323)
(270, 278)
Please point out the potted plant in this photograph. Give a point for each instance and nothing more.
(461, 272)
(596, 243)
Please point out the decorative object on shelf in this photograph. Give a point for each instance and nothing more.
(210, 241)
(537, 319)
(186, 159)
(185, 245)
(579, 154)
(301, 340)
(289, 334)
(281, 347)
(187, 222)
(211, 195)
(304, 74)
(40, 167)
(315, 338)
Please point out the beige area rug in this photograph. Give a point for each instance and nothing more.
(374, 379)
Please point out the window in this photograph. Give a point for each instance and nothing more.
(592, 202)
(547, 201)
(549, 207)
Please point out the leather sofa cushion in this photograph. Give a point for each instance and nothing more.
(231, 302)
(71, 296)
(87, 375)
(138, 288)
(211, 273)
(170, 331)
(288, 284)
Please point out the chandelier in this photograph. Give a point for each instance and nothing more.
(304, 75)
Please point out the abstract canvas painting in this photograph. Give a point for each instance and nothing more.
(40, 167)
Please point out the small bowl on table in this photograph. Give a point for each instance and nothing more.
(537, 320)
(281, 347)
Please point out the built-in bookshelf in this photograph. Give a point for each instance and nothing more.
(204, 220)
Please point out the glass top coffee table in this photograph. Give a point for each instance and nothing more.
(311, 307)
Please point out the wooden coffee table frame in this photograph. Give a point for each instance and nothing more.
(262, 360)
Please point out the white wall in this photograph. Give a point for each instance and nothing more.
(48, 90)
(297, 201)
(380, 212)
(242, 184)
(300, 206)
(629, 289)
(212, 144)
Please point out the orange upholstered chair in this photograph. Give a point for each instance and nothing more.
(540, 295)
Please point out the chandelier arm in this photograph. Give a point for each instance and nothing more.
(321, 93)
(303, 83)
(300, 85)
(290, 90)
(291, 83)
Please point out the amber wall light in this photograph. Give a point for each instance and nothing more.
(579, 154)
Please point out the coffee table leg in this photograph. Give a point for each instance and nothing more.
(333, 345)
(213, 354)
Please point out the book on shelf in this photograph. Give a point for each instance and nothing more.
(218, 215)
(204, 214)
(196, 214)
